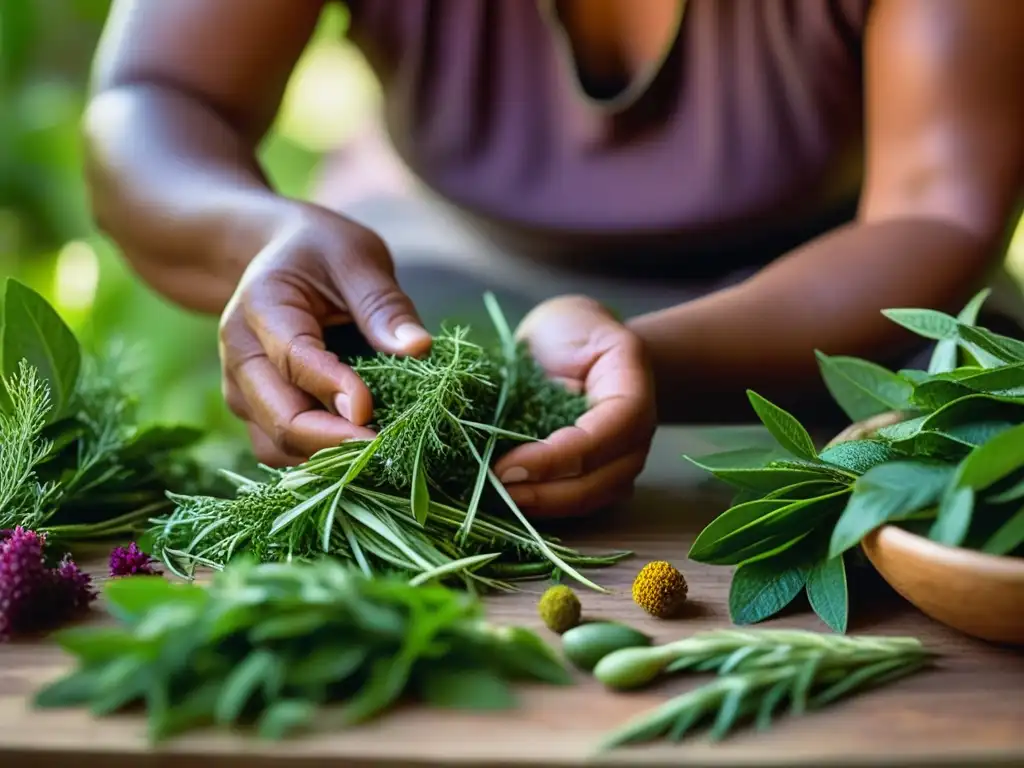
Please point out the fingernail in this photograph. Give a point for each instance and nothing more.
(343, 406)
(410, 333)
(515, 475)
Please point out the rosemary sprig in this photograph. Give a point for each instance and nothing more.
(759, 672)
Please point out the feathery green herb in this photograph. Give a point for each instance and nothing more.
(758, 673)
(74, 461)
(951, 468)
(272, 645)
(421, 496)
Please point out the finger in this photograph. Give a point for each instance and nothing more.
(233, 397)
(620, 420)
(383, 312)
(266, 452)
(584, 495)
(287, 415)
(279, 316)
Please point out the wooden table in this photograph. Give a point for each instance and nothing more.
(969, 711)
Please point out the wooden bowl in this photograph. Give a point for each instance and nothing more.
(978, 594)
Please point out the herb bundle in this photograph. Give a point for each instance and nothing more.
(950, 468)
(74, 462)
(271, 644)
(412, 499)
(758, 673)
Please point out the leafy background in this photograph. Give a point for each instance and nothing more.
(47, 238)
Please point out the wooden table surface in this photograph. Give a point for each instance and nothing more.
(968, 711)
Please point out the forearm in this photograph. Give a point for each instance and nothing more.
(827, 295)
(179, 190)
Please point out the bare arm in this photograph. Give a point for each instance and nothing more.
(945, 168)
(184, 91)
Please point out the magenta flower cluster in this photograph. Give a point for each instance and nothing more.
(33, 596)
(131, 561)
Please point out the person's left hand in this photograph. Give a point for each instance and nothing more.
(595, 462)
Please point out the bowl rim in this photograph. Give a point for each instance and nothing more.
(998, 566)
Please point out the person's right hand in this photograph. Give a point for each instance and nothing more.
(317, 270)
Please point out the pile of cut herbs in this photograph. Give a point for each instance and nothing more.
(272, 645)
(75, 463)
(951, 468)
(420, 497)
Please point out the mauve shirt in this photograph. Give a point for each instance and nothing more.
(746, 141)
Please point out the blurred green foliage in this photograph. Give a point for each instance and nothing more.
(48, 240)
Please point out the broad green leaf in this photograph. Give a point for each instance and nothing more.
(936, 394)
(760, 590)
(944, 356)
(784, 427)
(886, 493)
(19, 33)
(902, 430)
(1008, 537)
(828, 594)
(973, 408)
(93, 645)
(862, 388)
(73, 690)
(954, 518)
(130, 599)
(328, 664)
(1002, 348)
(731, 520)
(466, 689)
(420, 498)
(857, 456)
(34, 332)
(739, 458)
(762, 534)
(766, 479)
(996, 380)
(929, 323)
(808, 489)
(992, 461)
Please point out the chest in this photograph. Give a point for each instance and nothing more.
(656, 115)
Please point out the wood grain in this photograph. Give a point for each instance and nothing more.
(968, 711)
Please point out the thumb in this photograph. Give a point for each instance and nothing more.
(384, 313)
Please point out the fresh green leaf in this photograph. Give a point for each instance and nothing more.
(861, 388)
(284, 717)
(243, 683)
(827, 592)
(929, 323)
(768, 479)
(733, 519)
(130, 599)
(160, 438)
(1003, 348)
(944, 356)
(1008, 537)
(887, 493)
(761, 589)
(954, 517)
(858, 456)
(420, 493)
(994, 460)
(33, 331)
(787, 431)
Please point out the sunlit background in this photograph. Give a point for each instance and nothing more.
(46, 237)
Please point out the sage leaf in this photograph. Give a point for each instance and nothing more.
(929, 323)
(784, 427)
(34, 332)
(828, 594)
(944, 356)
(993, 460)
(1002, 348)
(809, 489)
(887, 493)
(733, 519)
(761, 589)
(858, 456)
(766, 479)
(861, 388)
(954, 517)
(285, 717)
(1008, 537)
(420, 493)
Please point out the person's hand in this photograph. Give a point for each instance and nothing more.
(595, 462)
(317, 270)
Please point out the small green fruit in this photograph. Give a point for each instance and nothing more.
(631, 667)
(585, 645)
(560, 609)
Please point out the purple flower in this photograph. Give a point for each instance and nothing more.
(131, 561)
(23, 574)
(73, 588)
